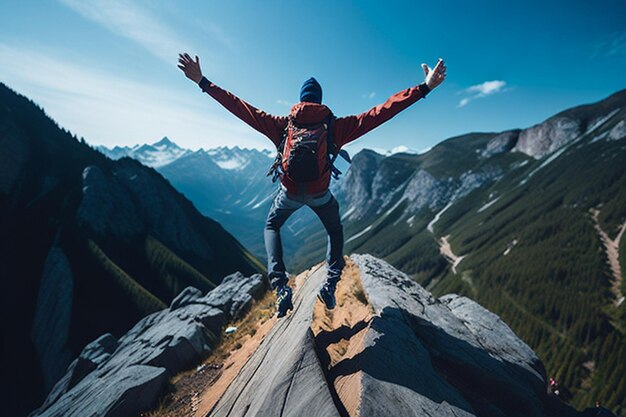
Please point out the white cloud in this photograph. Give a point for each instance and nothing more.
(133, 22)
(283, 102)
(482, 90)
(486, 88)
(370, 95)
(111, 110)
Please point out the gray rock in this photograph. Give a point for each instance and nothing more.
(501, 143)
(92, 355)
(189, 295)
(52, 319)
(420, 356)
(124, 393)
(468, 356)
(471, 180)
(547, 137)
(124, 377)
(356, 187)
(426, 191)
(618, 131)
(107, 208)
(235, 294)
(393, 172)
(397, 375)
(283, 377)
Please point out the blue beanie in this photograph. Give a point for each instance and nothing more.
(311, 91)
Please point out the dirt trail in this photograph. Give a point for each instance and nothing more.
(233, 364)
(446, 250)
(611, 247)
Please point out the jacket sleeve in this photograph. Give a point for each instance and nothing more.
(267, 124)
(350, 128)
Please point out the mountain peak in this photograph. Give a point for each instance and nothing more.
(165, 142)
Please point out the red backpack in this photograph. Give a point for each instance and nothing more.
(307, 152)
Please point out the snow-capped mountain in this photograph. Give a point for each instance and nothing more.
(155, 155)
(226, 184)
(235, 158)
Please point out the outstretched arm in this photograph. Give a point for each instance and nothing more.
(350, 128)
(270, 126)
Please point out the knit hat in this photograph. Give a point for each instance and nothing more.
(311, 91)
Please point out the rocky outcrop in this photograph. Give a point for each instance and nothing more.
(393, 350)
(547, 137)
(235, 294)
(52, 319)
(283, 377)
(414, 355)
(440, 357)
(107, 207)
(356, 187)
(471, 180)
(618, 131)
(376, 185)
(504, 142)
(426, 191)
(126, 376)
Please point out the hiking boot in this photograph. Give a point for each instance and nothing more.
(283, 301)
(327, 295)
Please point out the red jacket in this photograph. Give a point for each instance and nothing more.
(346, 129)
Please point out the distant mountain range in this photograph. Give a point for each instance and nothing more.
(166, 152)
(88, 246)
(226, 184)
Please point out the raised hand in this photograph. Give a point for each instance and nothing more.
(434, 76)
(190, 67)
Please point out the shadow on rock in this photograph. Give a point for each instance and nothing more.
(410, 366)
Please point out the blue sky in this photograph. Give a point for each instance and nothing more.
(107, 71)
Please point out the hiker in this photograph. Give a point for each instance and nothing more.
(554, 387)
(308, 141)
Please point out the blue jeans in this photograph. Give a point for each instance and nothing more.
(327, 209)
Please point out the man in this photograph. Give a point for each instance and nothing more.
(314, 193)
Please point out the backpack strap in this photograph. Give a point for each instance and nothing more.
(332, 151)
(276, 170)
